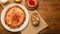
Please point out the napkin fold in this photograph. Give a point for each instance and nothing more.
(31, 29)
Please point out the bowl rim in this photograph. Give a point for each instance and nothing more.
(22, 26)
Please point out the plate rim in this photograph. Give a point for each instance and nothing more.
(22, 26)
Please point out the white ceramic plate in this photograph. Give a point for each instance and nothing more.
(3, 15)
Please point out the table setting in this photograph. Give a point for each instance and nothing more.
(21, 16)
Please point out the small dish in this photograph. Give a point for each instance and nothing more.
(35, 18)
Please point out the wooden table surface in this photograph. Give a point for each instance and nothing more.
(50, 11)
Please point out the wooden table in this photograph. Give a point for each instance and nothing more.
(50, 11)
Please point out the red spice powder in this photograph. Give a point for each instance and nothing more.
(31, 2)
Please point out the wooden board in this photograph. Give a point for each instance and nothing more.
(30, 28)
(50, 12)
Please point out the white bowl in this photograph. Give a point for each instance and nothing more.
(3, 15)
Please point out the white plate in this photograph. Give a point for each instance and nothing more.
(22, 26)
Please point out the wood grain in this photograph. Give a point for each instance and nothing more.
(50, 11)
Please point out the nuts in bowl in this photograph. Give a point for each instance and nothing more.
(35, 18)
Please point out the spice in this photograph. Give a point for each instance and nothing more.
(31, 2)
